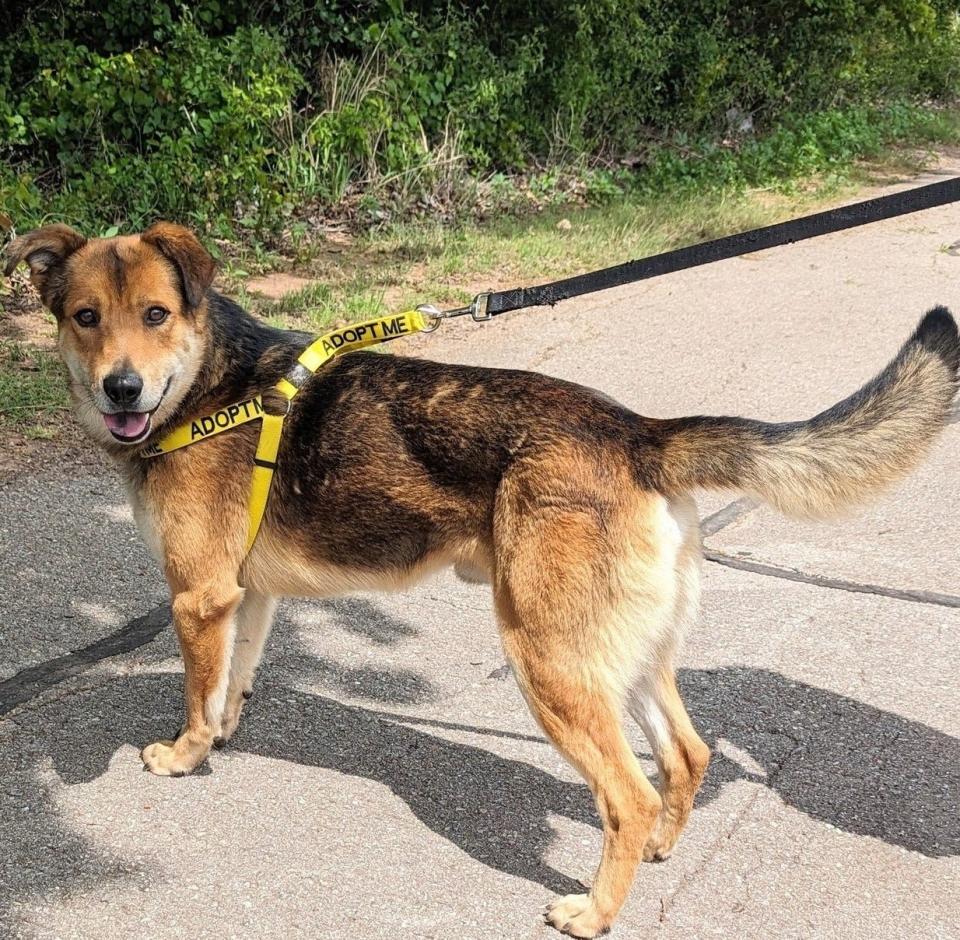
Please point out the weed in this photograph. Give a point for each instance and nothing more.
(32, 385)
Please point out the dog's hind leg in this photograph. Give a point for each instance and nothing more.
(569, 582)
(584, 725)
(254, 619)
(681, 756)
(654, 701)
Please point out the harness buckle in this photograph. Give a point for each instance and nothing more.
(478, 308)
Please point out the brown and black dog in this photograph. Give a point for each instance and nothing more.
(577, 510)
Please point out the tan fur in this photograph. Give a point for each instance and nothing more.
(574, 509)
(582, 605)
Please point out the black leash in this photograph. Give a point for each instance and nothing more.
(485, 306)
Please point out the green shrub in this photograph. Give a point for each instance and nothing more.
(225, 113)
(152, 130)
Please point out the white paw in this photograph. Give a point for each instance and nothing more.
(165, 759)
(577, 915)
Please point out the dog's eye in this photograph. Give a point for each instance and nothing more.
(87, 317)
(156, 315)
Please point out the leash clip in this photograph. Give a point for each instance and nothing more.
(477, 308)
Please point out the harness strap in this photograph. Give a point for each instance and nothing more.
(264, 464)
(318, 353)
(209, 425)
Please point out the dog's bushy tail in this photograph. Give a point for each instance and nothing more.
(838, 458)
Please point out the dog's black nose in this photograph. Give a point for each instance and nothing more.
(123, 388)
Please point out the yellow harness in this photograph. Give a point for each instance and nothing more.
(319, 352)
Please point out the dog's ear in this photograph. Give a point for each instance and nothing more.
(45, 250)
(183, 250)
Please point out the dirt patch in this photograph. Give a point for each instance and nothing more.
(69, 451)
(22, 316)
(277, 285)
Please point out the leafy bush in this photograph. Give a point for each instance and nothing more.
(154, 130)
(227, 113)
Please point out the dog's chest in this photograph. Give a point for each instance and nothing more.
(144, 518)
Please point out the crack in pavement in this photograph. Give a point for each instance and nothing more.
(739, 508)
(837, 584)
(726, 516)
(667, 901)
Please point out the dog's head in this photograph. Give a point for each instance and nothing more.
(131, 318)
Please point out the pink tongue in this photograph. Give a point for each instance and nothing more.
(127, 423)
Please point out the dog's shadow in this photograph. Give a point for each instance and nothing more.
(494, 808)
(859, 768)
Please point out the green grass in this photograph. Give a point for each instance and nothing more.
(399, 266)
(32, 388)
(319, 305)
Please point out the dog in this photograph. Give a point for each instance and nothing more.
(575, 509)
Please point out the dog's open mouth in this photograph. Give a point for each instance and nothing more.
(131, 427)
(128, 426)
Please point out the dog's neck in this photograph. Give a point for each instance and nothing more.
(240, 354)
(229, 358)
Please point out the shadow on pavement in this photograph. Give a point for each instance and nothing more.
(361, 618)
(859, 768)
(493, 808)
(862, 769)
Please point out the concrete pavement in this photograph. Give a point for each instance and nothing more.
(388, 780)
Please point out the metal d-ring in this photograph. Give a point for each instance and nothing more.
(433, 314)
(278, 401)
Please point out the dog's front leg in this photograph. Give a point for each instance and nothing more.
(253, 625)
(204, 619)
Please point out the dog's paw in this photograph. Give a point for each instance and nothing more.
(661, 841)
(165, 759)
(577, 915)
(232, 711)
